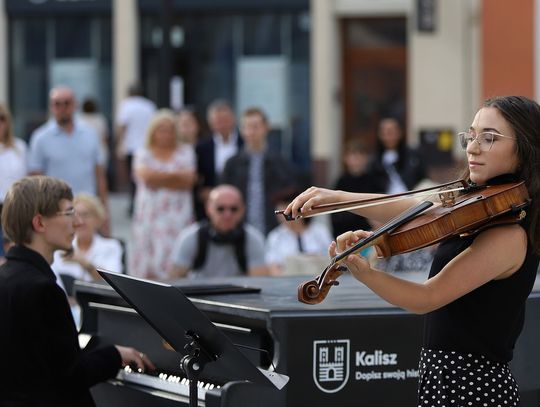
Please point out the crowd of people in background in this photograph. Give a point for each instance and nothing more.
(202, 204)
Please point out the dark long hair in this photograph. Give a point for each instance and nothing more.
(401, 149)
(523, 115)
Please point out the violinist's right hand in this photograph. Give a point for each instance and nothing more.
(312, 196)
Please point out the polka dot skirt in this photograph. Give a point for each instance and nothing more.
(452, 379)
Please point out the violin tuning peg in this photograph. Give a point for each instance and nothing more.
(335, 283)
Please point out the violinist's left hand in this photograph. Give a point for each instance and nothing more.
(356, 264)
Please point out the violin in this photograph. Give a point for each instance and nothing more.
(425, 224)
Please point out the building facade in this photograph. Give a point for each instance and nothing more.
(325, 70)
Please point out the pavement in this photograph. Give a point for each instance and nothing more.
(120, 221)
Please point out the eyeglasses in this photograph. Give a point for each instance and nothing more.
(68, 212)
(62, 103)
(232, 209)
(485, 139)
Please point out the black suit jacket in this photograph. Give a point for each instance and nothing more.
(42, 363)
(410, 168)
(206, 169)
(278, 174)
(206, 166)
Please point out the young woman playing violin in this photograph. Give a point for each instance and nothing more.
(474, 298)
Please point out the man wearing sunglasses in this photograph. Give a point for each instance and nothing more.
(222, 246)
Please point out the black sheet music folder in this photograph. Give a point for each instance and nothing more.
(172, 315)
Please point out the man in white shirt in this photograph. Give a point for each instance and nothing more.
(132, 120)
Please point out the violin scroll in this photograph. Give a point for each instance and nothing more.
(315, 291)
(308, 292)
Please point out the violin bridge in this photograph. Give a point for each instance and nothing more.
(447, 198)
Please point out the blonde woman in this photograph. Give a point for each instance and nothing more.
(12, 153)
(90, 250)
(164, 171)
(12, 158)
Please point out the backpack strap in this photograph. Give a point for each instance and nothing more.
(240, 250)
(203, 235)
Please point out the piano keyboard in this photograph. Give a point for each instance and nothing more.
(163, 381)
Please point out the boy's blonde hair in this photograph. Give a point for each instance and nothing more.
(27, 198)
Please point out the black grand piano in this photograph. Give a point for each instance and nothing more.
(351, 350)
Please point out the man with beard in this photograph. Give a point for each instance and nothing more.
(67, 149)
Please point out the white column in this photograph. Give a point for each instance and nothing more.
(125, 47)
(444, 69)
(4, 56)
(325, 76)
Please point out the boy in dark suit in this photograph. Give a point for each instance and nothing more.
(39, 348)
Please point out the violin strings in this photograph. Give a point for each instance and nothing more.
(388, 226)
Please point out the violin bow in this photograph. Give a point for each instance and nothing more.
(325, 209)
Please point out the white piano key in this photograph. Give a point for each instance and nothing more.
(162, 381)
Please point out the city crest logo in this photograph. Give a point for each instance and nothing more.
(331, 364)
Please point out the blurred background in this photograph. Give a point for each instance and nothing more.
(325, 71)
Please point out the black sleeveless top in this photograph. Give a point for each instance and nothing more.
(487, 320)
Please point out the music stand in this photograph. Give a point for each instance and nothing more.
(189, 332)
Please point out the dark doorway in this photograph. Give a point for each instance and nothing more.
(374, 75)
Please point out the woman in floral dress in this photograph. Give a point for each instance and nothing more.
(165, 173)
